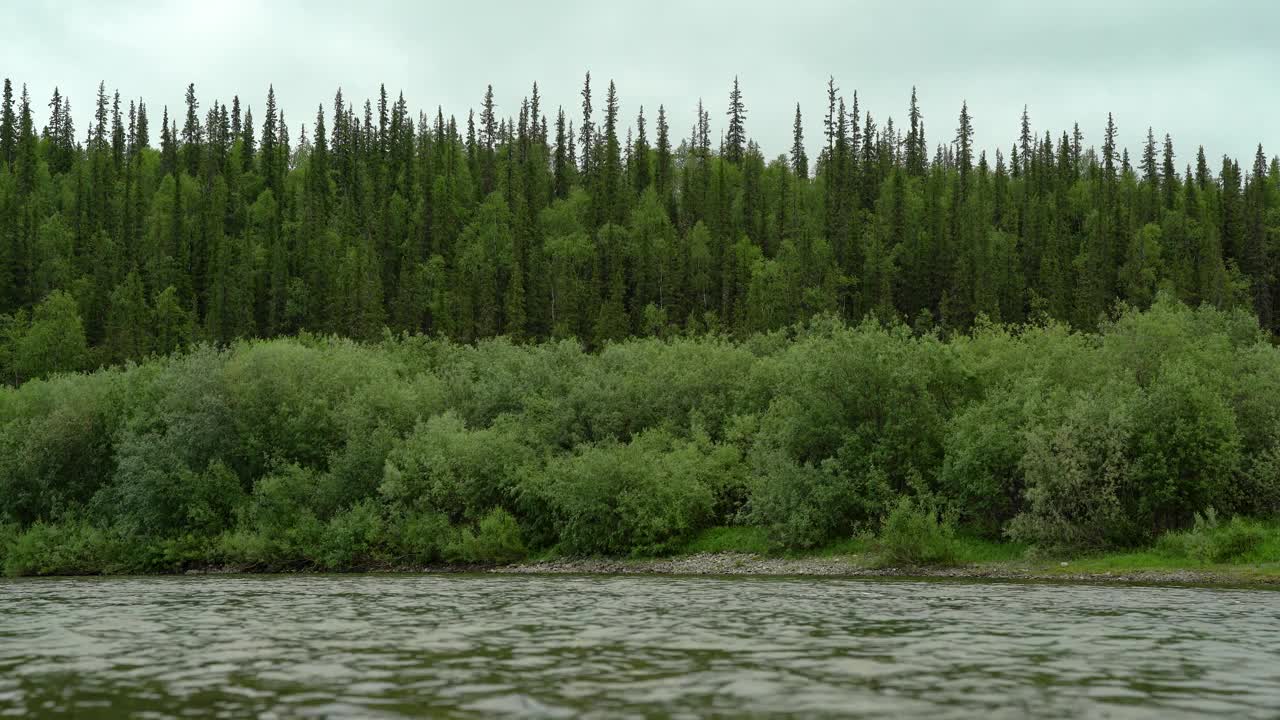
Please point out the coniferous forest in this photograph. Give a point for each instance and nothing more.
(219, 222)
(536, 327)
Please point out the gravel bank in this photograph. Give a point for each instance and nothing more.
(728, 564)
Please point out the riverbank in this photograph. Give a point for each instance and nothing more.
(1104, 569)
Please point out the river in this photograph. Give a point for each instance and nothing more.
(491, 645)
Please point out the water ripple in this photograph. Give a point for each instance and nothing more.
(483, 646)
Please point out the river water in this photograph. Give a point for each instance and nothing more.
(485, 645)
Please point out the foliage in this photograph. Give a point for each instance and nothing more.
(913, 535)
(318, 452)
(495, 540)
(1212, 541)
(128, 244)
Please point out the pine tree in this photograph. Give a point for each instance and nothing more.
(664, 169)
(143, 135)
(117, 134)
(964, 148)
(192, 134)
(560, 169)
(25, 160)
(236, 128)
(642, 174)
(799, 161)
(915, 150)
(268, 147)
(587, 141)
(1171, 182)
(168, 148)
(248, 140)
(1150, 174)
(8, 128)
(736, 138)
(1024, 142)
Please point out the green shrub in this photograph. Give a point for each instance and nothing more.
(913, 535)
(354, 538)
(417, 538)
(644, 497)
(1236, 540)
(444, 467)
(494, 541)
(803, 506)
(1210, 541)
(71, 548)
(280, 499)
(1078, 471)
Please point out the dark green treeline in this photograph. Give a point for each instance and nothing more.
(534, 222)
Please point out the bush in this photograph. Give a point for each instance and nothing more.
(644, 497)
(1210, 541)
(444, 467)
(354, 538)
(494, 541)
(71, 548)
(803, 506)
(913, 535)
(417, 538)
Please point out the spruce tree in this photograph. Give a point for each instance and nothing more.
(736, 137)
(641, 172)
(192, 134)
(8, 127)
(915, 150)
(143, 135)
(117, 134)
(168, 147)
(1024, 142)
(587, 141)
(1171, 183)
(799, 161)
(268, 147)
(1150, 174)
(663, 166)
(964, 148)
(560, 164)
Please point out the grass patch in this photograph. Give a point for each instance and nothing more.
(972, 550)
(739, 538)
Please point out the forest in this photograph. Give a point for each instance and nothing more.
(563, 224)
(404, 339)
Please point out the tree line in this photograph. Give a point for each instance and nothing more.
(538, 224)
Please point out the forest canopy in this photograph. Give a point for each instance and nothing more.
(127, 239)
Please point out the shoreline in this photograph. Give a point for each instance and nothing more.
(737, 564)
(727, 564)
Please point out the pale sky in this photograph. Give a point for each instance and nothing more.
(1207, 72)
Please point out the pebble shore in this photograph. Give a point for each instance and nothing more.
(737, 564)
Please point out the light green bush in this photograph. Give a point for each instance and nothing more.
(495, 540)
(913, 535)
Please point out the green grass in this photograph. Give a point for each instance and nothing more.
(741, 539)
(979, 551)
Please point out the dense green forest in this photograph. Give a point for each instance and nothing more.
(325, 452)
(400, 340)
(129, 240)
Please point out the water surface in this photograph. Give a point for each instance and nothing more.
(482, 645)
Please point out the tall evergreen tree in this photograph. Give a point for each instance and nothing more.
(736, 138)
(799, 161)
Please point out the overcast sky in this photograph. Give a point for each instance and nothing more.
(1206, 72)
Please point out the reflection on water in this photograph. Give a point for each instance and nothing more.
(374, 646)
